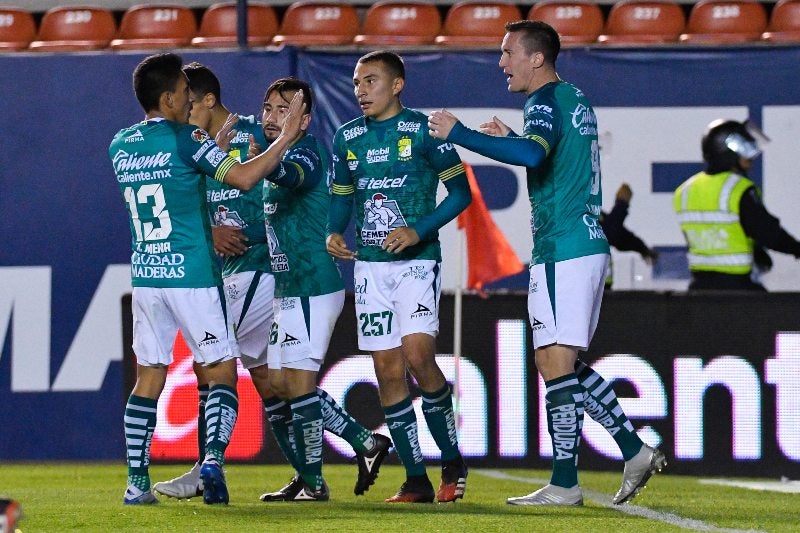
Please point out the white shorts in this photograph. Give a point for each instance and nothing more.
(158, 314)
(302, 330)
(250, 311)
(564, 300)
(395, 299)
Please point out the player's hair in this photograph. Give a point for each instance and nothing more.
(284, 86)
(202, 81)
(393, 62)
(537, 36)
(154, 76)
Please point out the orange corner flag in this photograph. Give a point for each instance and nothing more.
(489, 254)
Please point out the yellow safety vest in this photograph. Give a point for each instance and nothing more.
(707, 206)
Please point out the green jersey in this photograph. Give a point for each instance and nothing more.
(393, 168)
(296, 220)
(243, 209)
(161, 167)
(564, 190)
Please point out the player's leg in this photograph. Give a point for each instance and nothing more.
(202, 317)
(152, 341)
(378, 332)
(417, 300)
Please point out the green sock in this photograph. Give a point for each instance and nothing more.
(140, 423)
(340, 423)
(402, 422)
(308, 430)
(279, 415)
(221, 410)
(437, 406)
(602, 405)
(202, 396)
(564, 400)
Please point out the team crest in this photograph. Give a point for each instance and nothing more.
(404, 149)
(225, 217)
(199, 135)
(381, 215)
(352, 161)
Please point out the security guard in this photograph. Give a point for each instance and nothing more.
(721, 214)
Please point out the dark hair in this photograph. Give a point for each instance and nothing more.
(537, 36)
(154, 76)
(393, 62)
(290, 85)
(202, 81)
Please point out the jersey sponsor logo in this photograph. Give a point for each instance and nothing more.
(124, 161)
(215, 156)
(241, 137)
(383, 183)
(221, 195)
(277, 258)
(199, 135)
(584, 120)
(381, 215)
(225, 217)
(352, 133)
(135, 138)
(595, 229)
(421, 311)
(145, 265)
(410, 127)
(540, 108)
(378, 155)
(534, 122)
(208, 340)
(301, 157)
(445, 147)
(289, 340)
(404, 149)
(360, 291)
(536, 325)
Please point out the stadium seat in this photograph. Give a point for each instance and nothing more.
(578, 22)
(17, 29)
(725, 22)
(784, 23)
(218, 27)
(400, 23)
(156, 26)
(643, 22)
(476, 23)
(66, 28)
(318, 24)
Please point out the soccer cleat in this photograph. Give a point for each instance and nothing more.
(369, 463)
(307, 494)
(285, 494)
(417, 489)
(186, 486)
(637, 471)
(454, 480)
(136, 496)
(215, 490)
(550, 495)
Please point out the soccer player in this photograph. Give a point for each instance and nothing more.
(570, 256)
(160, 165)
(391, 166)
(240, 236)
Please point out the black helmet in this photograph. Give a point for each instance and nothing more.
(725, 141)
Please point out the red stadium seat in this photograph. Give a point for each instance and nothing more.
(725, 22)
(17, 29)
(65, 29)
(156, 26)
(476, 23)
(578, 22)
(400, 23)
(643, 22)
(318, 24)
(218, 27)
(784, 23)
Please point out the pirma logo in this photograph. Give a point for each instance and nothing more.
(209, 339)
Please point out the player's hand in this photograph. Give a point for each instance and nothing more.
(625, 193)
(337, 247)
(399, 239)
(229, 241)
(226, 133)
(253, 148)
(440, 123)
(296, 119)
(650, 256)
(495, 127)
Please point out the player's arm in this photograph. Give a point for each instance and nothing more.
(301, 169)
(341, 206)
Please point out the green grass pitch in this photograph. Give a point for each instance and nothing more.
(88, 497)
